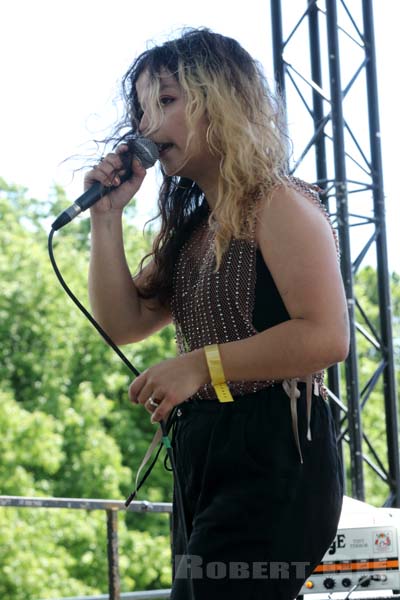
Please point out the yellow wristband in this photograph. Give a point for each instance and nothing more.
(217, 373)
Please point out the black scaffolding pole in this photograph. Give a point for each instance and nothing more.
(338, 152)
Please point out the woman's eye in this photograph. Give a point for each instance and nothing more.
(166, 100)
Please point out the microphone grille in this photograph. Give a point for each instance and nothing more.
(145, 150)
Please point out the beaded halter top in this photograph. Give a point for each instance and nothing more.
(211, 307)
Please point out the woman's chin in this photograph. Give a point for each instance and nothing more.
(173, 170)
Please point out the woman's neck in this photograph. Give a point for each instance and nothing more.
(210, 190)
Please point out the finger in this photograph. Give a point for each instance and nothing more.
(128, 161)
(135, 388)
(113, 159)
(122, 148)
(138, 169)
(106, 177)
(110, 176)
(152, 404)
(104, 174)
(112, 168)
(162, 412)
(145, 393)
(164, 415)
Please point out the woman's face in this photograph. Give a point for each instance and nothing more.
(177, 158)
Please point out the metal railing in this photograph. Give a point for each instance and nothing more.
(148, 595)
(111, 508)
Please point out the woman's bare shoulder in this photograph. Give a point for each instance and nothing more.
(299, 247)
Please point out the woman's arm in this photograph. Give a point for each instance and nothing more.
(299, 249)
(113, 294)
(114, 298)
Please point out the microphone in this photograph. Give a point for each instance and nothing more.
(141, 148)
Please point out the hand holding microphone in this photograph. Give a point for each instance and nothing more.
(119, 181)
(115, 180)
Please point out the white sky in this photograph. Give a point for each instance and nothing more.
(62, 60)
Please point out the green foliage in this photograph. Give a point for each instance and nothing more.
(31, 448)
(43, 553)
(69, 429)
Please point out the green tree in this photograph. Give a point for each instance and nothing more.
(70, 429)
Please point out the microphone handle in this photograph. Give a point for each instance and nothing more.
(91, 196)
(88, 198)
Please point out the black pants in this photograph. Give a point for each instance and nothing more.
(258, 521)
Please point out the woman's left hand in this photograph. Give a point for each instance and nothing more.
(169, 383)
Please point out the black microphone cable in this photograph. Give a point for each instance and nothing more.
(165, 441)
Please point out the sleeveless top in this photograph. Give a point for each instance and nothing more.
(215, 307)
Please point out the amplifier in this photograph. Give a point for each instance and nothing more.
(364, 554)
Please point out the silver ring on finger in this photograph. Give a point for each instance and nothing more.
(152, 402)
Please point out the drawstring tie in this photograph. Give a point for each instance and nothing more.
(291, 389)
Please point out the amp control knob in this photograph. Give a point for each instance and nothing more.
(329, 583)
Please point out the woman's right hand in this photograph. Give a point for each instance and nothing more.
(108, 172)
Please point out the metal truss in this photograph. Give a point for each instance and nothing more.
(325, 69)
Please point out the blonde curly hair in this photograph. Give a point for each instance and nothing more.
(221, 80)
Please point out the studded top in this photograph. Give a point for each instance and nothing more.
(211, 307)
(214, 307)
